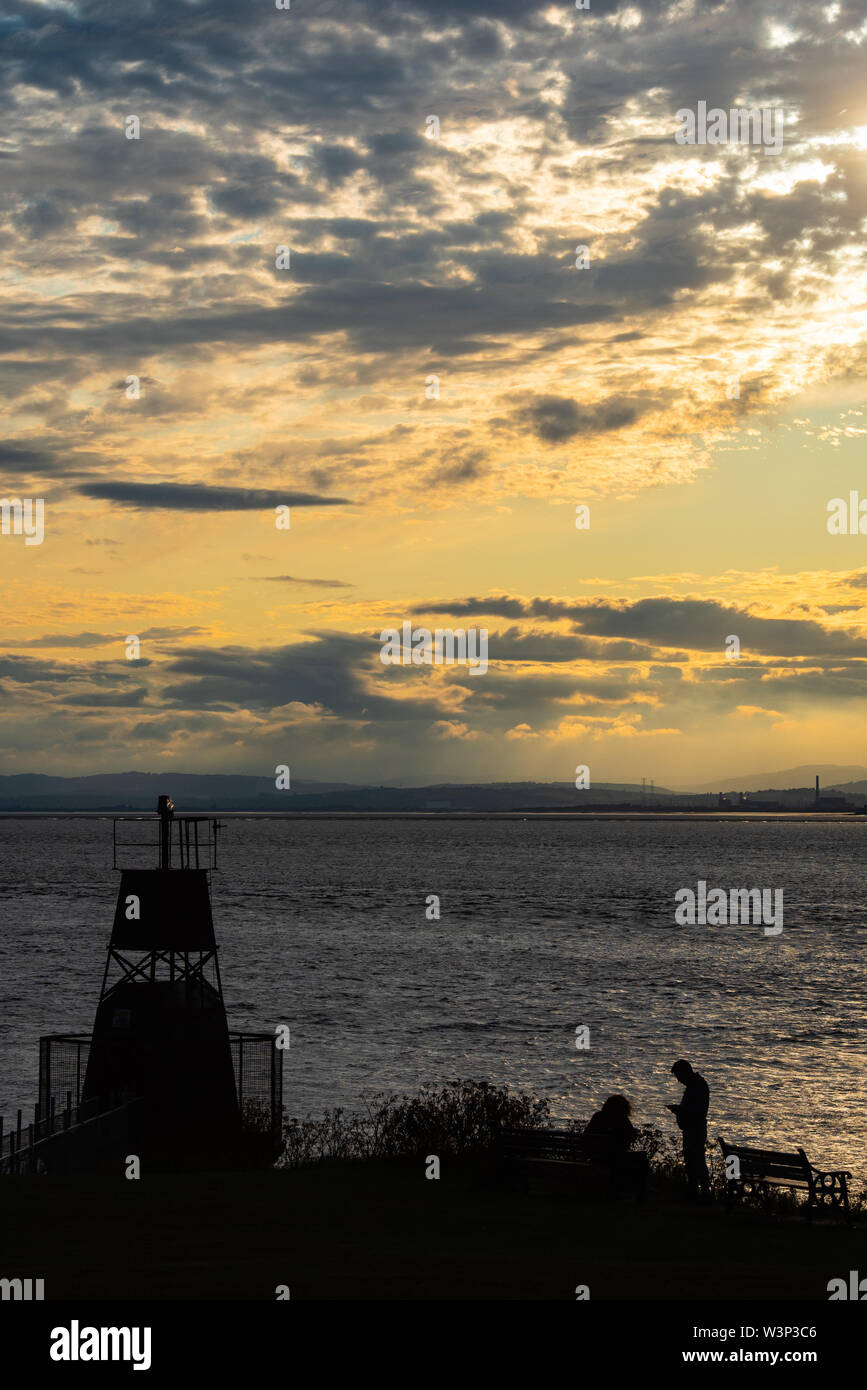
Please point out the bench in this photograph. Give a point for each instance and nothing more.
(759, 1170)
(559, 1156)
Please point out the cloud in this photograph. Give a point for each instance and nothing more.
(201, 497)
(539, 645)
(101, 639)
(65, 639)
(107, 699)
(666, 622)
(339, 672)
(556, 418)
(304, 583)
(16, 454)
(453, 729)
(412, 256)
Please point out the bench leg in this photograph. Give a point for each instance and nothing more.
(833, 1196)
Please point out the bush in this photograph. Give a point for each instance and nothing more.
(460, 1117)
(256, 1142)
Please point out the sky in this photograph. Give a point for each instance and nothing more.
(434, 378)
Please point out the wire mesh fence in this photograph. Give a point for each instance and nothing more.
(256, 1060)
(62, 1069)
(258, 1066)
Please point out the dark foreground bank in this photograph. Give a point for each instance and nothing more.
(382, 1231)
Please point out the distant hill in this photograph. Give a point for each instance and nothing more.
(215, 792)
(848, 788)
(831, 777)
(138, 791)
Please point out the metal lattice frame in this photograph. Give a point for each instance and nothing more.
(180, 967)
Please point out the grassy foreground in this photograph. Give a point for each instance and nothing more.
(382, 1231)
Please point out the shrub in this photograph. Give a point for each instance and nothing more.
(459, 1117)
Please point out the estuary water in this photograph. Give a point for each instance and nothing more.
(545, 926)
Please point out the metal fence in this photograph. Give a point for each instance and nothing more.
(71, 1139)
(258, 1067)
(62, 1069)
(191, 842)
(256, 1060)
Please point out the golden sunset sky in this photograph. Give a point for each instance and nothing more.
(699, 386)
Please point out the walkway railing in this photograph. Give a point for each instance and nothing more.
(65, 1140)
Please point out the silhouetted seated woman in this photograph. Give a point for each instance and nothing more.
(613, 1135)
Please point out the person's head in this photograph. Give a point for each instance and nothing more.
(617, 1108)
(682, 1070)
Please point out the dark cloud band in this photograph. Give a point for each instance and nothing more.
(199, 497)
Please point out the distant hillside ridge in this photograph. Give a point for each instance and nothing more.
(831, 777)
(138, 791)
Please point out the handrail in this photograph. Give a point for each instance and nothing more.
(17, 1151)
(199, 852)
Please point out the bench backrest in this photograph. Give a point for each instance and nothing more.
(563, 1144)
(769, 1163)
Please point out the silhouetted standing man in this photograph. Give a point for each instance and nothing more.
(691, 1116)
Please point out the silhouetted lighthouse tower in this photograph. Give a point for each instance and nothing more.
(160, 1032)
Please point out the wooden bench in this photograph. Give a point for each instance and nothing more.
(559, 1157)
(759, 1170)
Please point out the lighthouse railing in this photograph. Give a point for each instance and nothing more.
(257, 1063)
(62, 1067)
(177, 842)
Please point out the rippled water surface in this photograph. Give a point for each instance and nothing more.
(545, 925)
